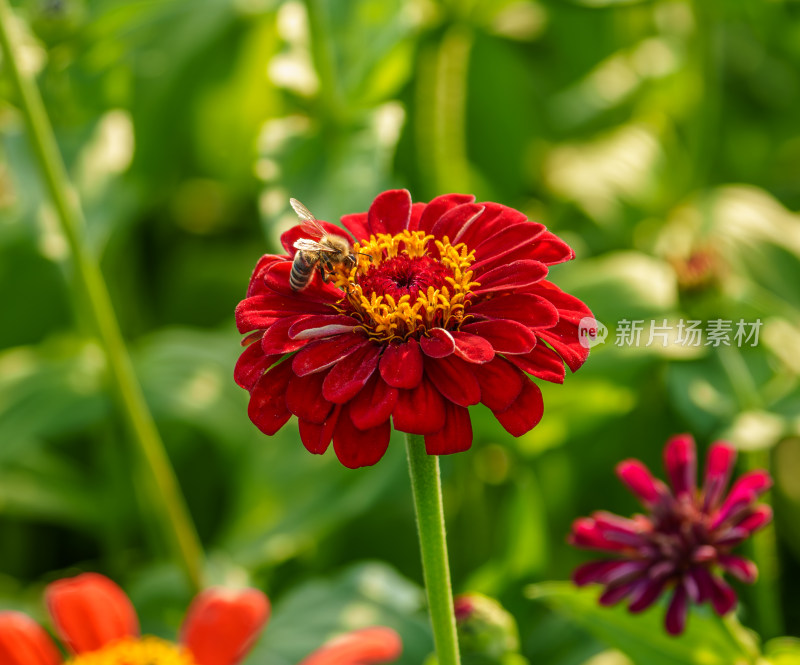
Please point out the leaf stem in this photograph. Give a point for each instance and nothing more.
(427, 490)
(166, 498)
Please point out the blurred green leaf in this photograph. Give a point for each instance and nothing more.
(783, 651)
(643, 638)
(368, 594)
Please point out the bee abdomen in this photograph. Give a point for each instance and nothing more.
(301, 272)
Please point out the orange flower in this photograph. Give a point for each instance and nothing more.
(369, 646)
(98, 624)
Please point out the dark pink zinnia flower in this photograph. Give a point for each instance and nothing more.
(684, 543)
(446, 306)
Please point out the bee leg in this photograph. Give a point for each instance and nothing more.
(323, 266)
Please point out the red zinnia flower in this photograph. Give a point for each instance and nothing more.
(686, 539)
(447, 305)
(98, 624)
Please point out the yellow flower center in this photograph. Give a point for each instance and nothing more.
(136, 651)
(399, 288)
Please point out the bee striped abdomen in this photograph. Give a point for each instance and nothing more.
(302, 270)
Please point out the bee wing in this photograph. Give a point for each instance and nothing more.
(308, 245)
(308, 222)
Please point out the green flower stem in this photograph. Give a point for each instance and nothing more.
(166, 498)
(427, 490)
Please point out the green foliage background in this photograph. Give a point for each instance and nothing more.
(654, 136)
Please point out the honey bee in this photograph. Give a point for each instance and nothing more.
(325, 254)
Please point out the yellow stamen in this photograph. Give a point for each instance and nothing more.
(136, 651)
(381, 316)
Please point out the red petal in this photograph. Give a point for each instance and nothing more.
(499, 245)
(357, 225)
(322, 325)
(613, 594)
(525, 411)
(277, 279)
(550, 249)
(90, 611)
(563, 337)
(374, 404)
(290, 237)
(390, 212)
(267, 408)
(743, 570)
(638, 479)
(495, 218)
(276, 341)
(680, 461)
(25, 642)
(250, 366)
(472, 348)
(439, 344)
(758, 518)
(504, 335)
(586, 534)
(510, 276)
(348, 376)
(369, 646)
(569, 307)
(259, 312)
(420, 410)
(416, 214)
(542, 362)
(455, 436)
(501, 384)
(222, 625)
(530, 310)
(356, 448)
(257, 285)
(325, 353)
(594, 571)
(646, 594)
(401, 364)
(304, 397)
(456, 219)
(316, 438)
(719, 465)
(454, 379)
(723, 598)
(438, 207)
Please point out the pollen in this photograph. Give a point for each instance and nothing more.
(136, 651)
(406, 284)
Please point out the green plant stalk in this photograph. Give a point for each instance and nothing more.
(441, 109)
(426, 487)
(763, 546)
(166, 498)
(324, 58)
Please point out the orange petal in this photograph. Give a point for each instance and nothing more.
(362, 647)
(90, 611)
(222, 625)
(24, 642)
